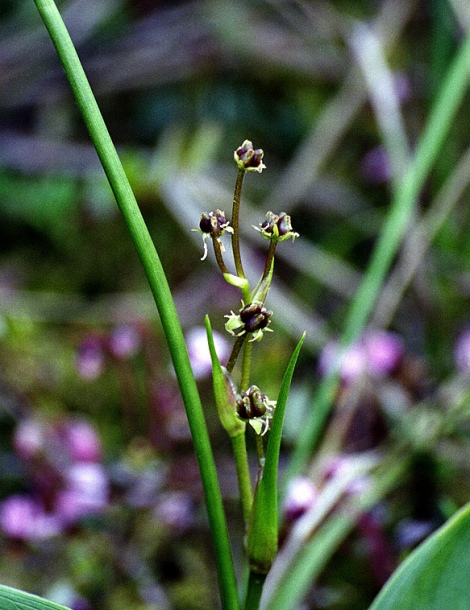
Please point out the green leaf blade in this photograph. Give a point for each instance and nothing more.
(14, 599)
(435, 575)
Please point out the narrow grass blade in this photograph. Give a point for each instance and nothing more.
(13, 599)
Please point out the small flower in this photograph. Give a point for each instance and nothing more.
(248, 159)
(462, 352)
(198, 350)
(86, 492)
(253, 406)
(213, 225)
(253, 318)
(90, 358)
(24, 518)
(277, 227)
(82, 441)
(301, 495)
(125, 342)
(29, 438)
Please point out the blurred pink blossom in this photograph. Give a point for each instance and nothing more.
(301, 495)
(23, 518)
(377, 353)
(124, 341)
(176, 510)
(29, 438)
(462, 352)
(198, 350)
(86, 492)
(90, 358)
(82, 441)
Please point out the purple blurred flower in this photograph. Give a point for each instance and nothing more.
(176, 510)
(410, 532)
(343, 465)
(86, 492)
(301, 495)
(124, 342)
(377, 354)
(82, 441)
(402, 87)
(384, 351)
(462, 352)
(375, 166)
(351, 363)
(198, 350)
(90, 358)
(29, 438)
(23, 518)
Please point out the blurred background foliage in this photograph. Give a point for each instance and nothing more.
(181, 85)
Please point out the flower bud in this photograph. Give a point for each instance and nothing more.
(255, 407)
(248, 159)
(277, 227)
(213, 225)
(252, 318)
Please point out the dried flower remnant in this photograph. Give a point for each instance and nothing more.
(253, 318)
(213, 225)
(248, 159)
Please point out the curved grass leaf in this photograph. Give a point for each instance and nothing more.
(435, 575)
(13, 599)
(263, 532)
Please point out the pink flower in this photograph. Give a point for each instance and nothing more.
(82, 441)
(124, 342)
(86, 492)
(384, 351)
(377, 353)
(90, 358)
(462, 352)
(23, 518)
(29, 439)
(301, 495)
(176, 510)
(198, 350)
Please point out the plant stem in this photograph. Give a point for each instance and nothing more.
(236, 223)
(235, 351)
(243, 475)
(246, 365)
(254, 591)
(160, 290)
(269, 259)
(218, 255)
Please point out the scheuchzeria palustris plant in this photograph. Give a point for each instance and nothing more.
(244, 403)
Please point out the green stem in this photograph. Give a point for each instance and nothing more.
(235, 351)
(269, 259)
(246, 365)
(254, 591)
(160, 290)
(243, 474)
(218, 255)
(236, 223)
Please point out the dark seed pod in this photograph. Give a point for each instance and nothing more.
(251, 403)
(255, 317)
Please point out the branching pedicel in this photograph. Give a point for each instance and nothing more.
(252, 319)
